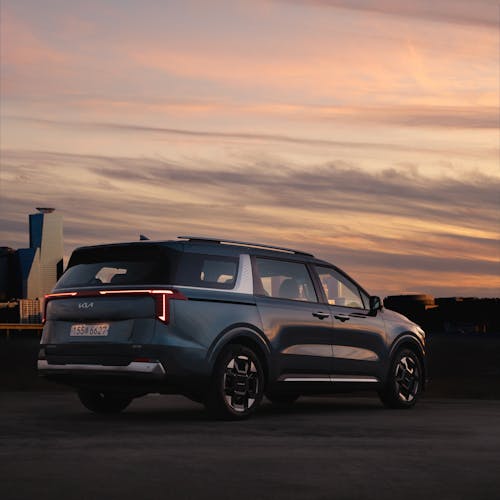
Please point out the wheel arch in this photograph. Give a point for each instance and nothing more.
(410, 341)
(246, 335)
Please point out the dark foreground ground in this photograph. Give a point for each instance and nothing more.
(324, 448)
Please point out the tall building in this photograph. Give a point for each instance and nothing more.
(28, 265)
(30, 273)
(46, 240)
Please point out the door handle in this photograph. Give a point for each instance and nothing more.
(342, 317)
(321, 315)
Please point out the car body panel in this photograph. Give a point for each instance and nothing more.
(301, 342)
(359, 341)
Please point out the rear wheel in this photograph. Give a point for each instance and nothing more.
(404, 382)
(103, 402)
(237, 384)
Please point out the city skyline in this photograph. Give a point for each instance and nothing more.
(365, 132)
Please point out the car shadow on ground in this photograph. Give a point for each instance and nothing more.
(184, 411)
(175, 417)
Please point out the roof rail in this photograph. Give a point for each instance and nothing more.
(223, 241)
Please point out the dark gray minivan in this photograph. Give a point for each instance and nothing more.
(223, 323)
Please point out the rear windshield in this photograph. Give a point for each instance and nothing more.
(111, 273)
(148, 265)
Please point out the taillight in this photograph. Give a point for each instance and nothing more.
(51, 296)
(162, 298)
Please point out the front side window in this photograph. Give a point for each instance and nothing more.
(339, 290)
(284, 280)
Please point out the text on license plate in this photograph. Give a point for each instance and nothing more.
(97, 330)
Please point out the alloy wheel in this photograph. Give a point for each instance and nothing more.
(407, 378)
(240, 383)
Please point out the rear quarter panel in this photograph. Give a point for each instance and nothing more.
(202, 324)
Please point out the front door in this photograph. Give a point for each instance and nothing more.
(297, 325)
(358, 338)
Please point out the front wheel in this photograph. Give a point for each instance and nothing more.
(404, 382)
(237, 384)
(103, 402)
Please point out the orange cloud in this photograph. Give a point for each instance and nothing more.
(410, 64)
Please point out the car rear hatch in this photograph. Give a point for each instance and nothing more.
(109, 301)
(116, 316)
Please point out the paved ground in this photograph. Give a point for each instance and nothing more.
(332, 448)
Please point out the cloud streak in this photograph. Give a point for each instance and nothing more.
(248, 137)
(380, 223)
(466, 117)
(331, 186)
(464, 12)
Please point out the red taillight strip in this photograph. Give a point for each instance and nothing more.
(162, 304)
(131, 292)
(50, 296)
(161, 296)
(61, 294)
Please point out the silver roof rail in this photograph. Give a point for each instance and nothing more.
(223, 241)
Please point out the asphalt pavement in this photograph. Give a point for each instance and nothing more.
(165, 447)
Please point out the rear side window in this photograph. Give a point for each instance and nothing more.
(207, 271)
(284, 280)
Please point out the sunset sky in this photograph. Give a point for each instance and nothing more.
(365, 131)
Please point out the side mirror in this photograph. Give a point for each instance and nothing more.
(375, 304)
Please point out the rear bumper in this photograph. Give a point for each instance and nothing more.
(153, 370)
(176, 361)
(133, 368)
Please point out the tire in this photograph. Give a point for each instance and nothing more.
(404, 381)
(282, 400)
(237, 384)
(103, 402)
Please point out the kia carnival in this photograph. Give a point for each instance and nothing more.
(224, 323)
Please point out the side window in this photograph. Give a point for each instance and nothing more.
(285, 280)
(207, 271)
(339, 290)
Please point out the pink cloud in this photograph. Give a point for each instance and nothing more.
(21, 47)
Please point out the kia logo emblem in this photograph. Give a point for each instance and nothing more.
(85, 305)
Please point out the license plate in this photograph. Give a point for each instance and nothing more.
(98, 330)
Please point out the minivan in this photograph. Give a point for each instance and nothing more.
(224, 323)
